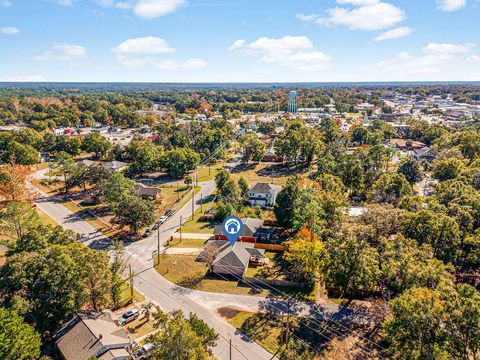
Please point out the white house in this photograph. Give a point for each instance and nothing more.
(263, 194)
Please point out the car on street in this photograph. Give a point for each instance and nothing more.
(144, 352)
(147, 233)
(127, 317)
(169, 213)
(162, 219)
(155, 226)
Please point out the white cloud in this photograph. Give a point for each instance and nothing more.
(9, 30)
(22, 78)
(451, 5)
(439, 59)
(149, 45)
(63, 52)
(447, 49)
(138, 52)
(396, 33)
(237, 44)
(296, 52)
(146, 9)
(367, 15)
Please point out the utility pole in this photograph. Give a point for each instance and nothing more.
(180, 228)
(287, 332)
(193, 199)
(158, 244)
(201, 203)
(131, 283)
(230, 349)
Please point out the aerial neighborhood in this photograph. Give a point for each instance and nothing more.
(344, 195)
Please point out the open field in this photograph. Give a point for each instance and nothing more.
(272, 173)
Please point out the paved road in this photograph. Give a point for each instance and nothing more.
(170, 297)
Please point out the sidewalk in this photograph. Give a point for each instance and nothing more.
(193, 236)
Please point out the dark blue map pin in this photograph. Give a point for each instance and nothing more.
(232, 228)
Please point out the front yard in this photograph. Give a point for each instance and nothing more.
(185, 269)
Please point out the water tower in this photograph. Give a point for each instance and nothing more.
(292, 102)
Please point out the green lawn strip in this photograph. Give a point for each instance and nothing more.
(125, 297)
(264, 329)
(196, 225)
(187, 243)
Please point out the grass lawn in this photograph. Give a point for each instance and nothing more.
(265, 172)
(188, 243)
(197, 226)
(140, 327)
(183, 270)
(271, 271)
(207, 173)
(125, 299)
(45, 219)
(170, 196)
(265, 330)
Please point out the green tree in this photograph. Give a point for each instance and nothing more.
(414, 329)
(117, 267)
(285, 203)
(350, 265)
(97, 144)
(389, 188)
(448, 169)
(207, 335)
(178, 339)
(243, 187)
(178, 161)
(410, 168)
(135, 212)
(304, 256)
(18, 218)
(438, 230)
(18, 340)
(117, 187)
(252, 147)
(463, 324)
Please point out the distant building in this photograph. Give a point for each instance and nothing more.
(271, 156)
(146, 192)
(292, 102)
(91, 335)
(263, 194)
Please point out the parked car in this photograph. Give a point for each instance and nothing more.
(129, 316)
(147, 233)
(162, 219)
(169, 213)
(144, 352)
(155, 226)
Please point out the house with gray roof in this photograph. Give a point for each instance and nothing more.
(252, 231)
(263, 194)
(234, 260)
(93, 335)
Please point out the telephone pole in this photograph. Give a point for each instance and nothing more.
(158, 243)
(193, 199)
(131, 283)
(230, 349)
(180, 228)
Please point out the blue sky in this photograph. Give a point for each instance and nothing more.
(239, 40)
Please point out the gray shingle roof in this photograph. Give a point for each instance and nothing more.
(237, 256)
(264, 188)
(87, 335)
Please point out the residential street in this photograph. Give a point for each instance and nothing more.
(170, 297)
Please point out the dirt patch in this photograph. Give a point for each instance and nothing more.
(228, 313)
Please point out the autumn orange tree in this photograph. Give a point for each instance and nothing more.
(13, 184)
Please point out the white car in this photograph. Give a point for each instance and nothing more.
(162, 219)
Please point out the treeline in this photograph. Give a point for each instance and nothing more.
(421, 253)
